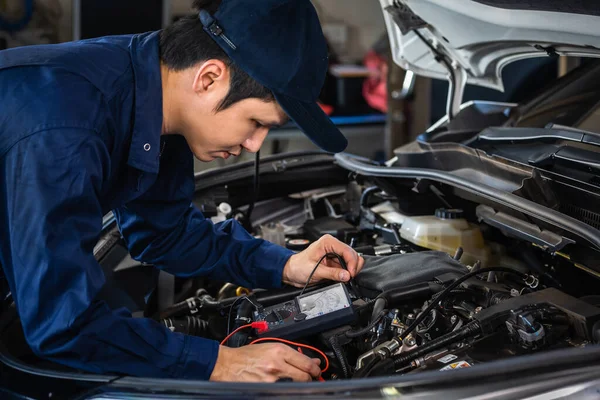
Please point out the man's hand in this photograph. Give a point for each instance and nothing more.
(266, 362)
(300, 265)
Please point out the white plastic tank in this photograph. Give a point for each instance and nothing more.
(446, 231)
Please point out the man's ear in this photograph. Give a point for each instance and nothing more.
(211, 75)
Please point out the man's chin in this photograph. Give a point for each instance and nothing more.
(208, 157)
(205, 157)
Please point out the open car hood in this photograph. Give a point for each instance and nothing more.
(477, 38)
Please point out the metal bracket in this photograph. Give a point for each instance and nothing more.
(456, 90)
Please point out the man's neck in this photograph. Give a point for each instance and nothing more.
(167, 101)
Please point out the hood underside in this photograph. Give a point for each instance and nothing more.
(478, 38)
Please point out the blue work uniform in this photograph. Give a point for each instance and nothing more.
(80, 135)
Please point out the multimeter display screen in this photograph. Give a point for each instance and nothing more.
(324, 301)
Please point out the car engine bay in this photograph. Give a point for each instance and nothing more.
(448, 283)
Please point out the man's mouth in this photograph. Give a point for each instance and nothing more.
(227, 154)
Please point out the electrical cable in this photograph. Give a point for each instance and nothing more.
(255, 194)
(231, 309)
(342, 263)
(313, 272)
(339, 354)
(260, 326)
(366, 329)
(443, 294)
(234, 332)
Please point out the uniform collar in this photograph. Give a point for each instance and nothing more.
(144, 152)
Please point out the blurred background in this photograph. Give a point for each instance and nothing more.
(376, 104)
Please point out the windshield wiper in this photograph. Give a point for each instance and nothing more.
(588, 136)
(551, 133)
(569, 156)
(573, 157)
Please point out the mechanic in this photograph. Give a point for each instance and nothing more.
(113, 124)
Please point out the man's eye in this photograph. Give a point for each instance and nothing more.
(258, 124)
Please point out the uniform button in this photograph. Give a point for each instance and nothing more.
(147, 147)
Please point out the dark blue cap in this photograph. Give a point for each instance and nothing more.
(280, 43)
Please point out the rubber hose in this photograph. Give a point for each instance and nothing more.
(175, 310)
(364, 197)
(205, 302)
(364, 371)
(378, 307)
(411, 292)
(360, 332)
(339, 353)
(192, 326)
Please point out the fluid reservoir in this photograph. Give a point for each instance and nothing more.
(446, 231)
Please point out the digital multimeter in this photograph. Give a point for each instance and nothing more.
(308, 314)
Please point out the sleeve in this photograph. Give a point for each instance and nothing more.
(165, 229)
(51, 218)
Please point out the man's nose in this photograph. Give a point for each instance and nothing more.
(254, 143)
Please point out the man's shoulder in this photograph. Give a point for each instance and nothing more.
(101, 61)
(70, 85)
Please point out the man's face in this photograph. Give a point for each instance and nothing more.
(211, 134)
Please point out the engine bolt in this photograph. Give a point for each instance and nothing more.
(478, 309)
(411, 316)
(333, 376)
(453, 319)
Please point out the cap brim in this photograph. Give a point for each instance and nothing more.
(315, 124)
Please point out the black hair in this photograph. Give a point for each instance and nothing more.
(184, 44)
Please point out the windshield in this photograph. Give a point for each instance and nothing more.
(576, 104)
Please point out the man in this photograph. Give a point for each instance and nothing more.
(113, 124)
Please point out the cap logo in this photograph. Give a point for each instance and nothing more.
(210, 23)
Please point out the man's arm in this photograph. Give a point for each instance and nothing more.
(163, 228)
(51, 218)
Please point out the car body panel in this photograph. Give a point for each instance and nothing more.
(481, 39)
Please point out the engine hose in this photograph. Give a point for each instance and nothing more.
(191, 305)
(410, 292)
(443, 294)
(339, 354)
(471, 329)
(176, 309)
(364, 197)
(192, 326)
(378, 307)
(366, 369)
(366, 329)
(365, 306)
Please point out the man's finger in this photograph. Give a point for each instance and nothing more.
(332, 274)
(296, 375)
(348, 254)
(302, 363)
(351, 257)
(361, 264)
